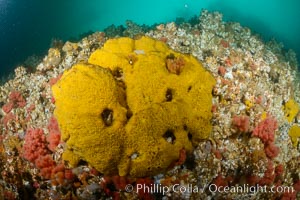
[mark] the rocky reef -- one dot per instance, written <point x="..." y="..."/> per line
<point x="189" y="111"/>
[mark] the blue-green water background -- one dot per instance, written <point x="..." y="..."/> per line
<point x="27" y="26"/>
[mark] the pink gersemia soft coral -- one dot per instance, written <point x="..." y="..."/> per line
<point x="241" y="123"/>
<point x="35" y="150"/>
<point x="46" y="164"/>
<point x="8" y="107"/>
<point x="15" y="100"/>
<point x="271" y="150"/>
<point x="54" y="134"/>
<point x="35" y="144"/>
<point x="265" y="130"/>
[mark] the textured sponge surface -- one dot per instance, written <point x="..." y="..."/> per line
<point x="133" y="107"/>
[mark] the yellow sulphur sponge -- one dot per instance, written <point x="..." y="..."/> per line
<point x="290" y="109"/>
<point x="134" y="107"/>
<point x="294" y="133"/>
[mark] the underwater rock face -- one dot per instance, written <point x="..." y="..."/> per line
<point x="134" y="108"/>
<point x="255" y="134"/>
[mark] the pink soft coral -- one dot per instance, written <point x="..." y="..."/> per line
<point x="8" y="118"/>
<point x="52" y="81"/>
<point x="35" y="144"/>
<point x="54" y="134"/>
<point x="241" y="123"/>
<point x="8" y="107"/>
<point x="17" y="98"/>
<point x="269" y="175"/>
<point x="265" y="130"/>
<point x="46" y="164"/>
<point x="271" y="150"/>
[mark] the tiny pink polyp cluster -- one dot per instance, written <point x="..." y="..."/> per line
<point x="265" y="130"/>
<point x="35" y="145"/>
<point x="15" y="100"/>
<point x="54" y="134"/>
<point x="52" y="81"/>
<point x="242" y="123"/>
<point x="37" y="149"/>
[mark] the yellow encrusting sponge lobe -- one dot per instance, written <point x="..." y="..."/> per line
<point x="83" y="96"/>
<point x="291" y="109"/>
<point x="294" y="133"/>
<point x="134" y="107"/>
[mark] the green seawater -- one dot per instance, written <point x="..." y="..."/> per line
<point x="27" y="27"/>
